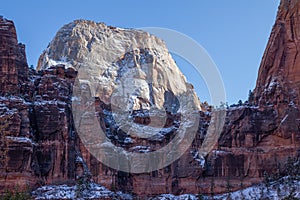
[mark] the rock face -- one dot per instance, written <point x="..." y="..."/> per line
<point x="266" y="132"/>
<point x="36" y="121"/>
<point x="55" y="153"/>
<point x="279" y="73"/>
<point x="16" y="144"/>
<point x="14" y="70"/>
<point x="39" y="143"/>
<point x="39" y="139"/>
<point x="114" y="57"/>
<point x="118" y="61"/>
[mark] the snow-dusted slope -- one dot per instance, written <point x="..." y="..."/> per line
<point x="285" y="187"/>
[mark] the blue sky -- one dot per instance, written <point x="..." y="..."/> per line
<point x="234" y="32"/>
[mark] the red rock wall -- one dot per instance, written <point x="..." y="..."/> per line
<point x="55" y="153"/>
<point x="16" y="146"/>
<point x="8" y="56"/>
<point x="278" y="79"/>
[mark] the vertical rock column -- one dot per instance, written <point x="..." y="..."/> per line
<point x="13" y="64"/>
<point x="8" y="49"/>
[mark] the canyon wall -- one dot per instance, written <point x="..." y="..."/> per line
<point x="40" y="143"/>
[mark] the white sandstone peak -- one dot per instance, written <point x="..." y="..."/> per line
<point x="129" y="67"/>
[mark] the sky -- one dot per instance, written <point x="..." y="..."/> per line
<point x="233" y="32"/>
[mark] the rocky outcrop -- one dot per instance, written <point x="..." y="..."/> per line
<point x="37" y="137"/>
<point x="55" y="154"/>
<point x="267" y="134"/>
<point x="259" y="137"/>
<point x="15" y="138"/>
<point x="279" y="73"/>
<point x="13" y="64"/>
<point x="16" y="142"/>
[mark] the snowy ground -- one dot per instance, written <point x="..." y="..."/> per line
<point x="93" y="191"/>
<point x="274" y="191"/>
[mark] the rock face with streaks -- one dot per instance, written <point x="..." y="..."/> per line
<point x="15" y="138"/>
<point x="36" y="133"/>
<point x="279" y="73"/>
<point x="265" y="132"/>
<point x="55" y="153"/>
<point x="13" y="70"/>
<point x="16" y="144"/>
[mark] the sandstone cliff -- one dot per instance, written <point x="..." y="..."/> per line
<point x="278" y="76"/>
<point x="110" y="57"/>
<point x="36" y="133"/>
<point x="14" y="70"/>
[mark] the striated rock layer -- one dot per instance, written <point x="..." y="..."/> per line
<point x="13" y="63"/>
<point x="15" y="138"/>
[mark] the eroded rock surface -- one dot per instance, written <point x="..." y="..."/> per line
<point x="14" y="70"/>
<point x="278" y="76"/>
<point x="119" y="61"/>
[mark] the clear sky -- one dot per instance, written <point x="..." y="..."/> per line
<point x="234" y="32"/>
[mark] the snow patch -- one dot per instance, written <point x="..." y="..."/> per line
<point x="60" y="62"/>
<point x="275" y="191"/>
<point x="199" y="158"/>
<point x="141" y="149"/>
<point x="283" y="120"/>
<point x="93" y="191"/>
<point x="20" y="139"/>
<point x="173" y="197"/>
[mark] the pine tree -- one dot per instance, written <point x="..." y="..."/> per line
<point x="250" y="97"/>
